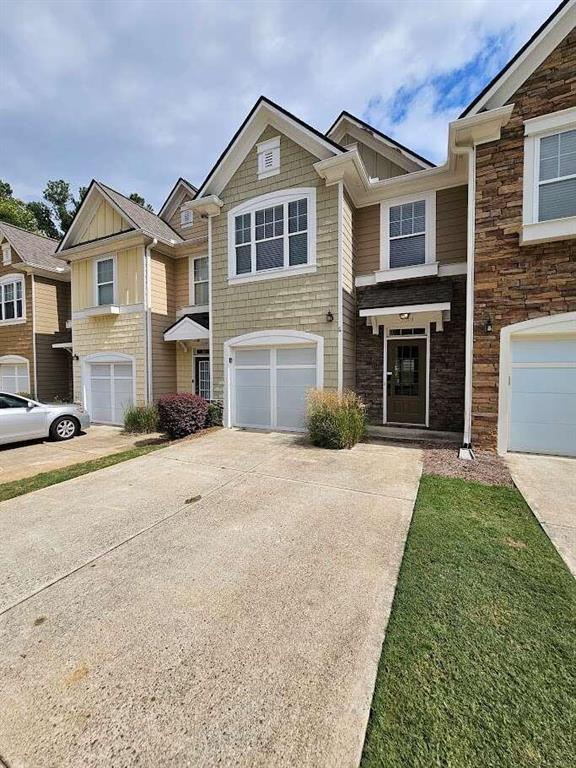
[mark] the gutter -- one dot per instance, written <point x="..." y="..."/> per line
<point x="148" y="317"/>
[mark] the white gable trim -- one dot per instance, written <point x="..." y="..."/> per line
<point x="175" y="198"/>
<point x="529" y="60"/>
<point x="264" y="115"/>
<point x="187" y="330"/>
<point x="87" y="209"/>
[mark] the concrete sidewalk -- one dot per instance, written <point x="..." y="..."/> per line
<point x="548" y="483"/>
<point x="218" y="602"/>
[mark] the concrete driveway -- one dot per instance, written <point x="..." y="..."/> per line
<point x="218" y="602"/>
<point x="19" y="460"/>
<point x="548" y="483"/>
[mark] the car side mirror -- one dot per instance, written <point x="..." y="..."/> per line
<point x="30" y="404"/>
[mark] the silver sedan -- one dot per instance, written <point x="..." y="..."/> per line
<point x="25" y="419"/>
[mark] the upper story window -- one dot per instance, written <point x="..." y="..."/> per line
<point x="6" y="254"/>
<point x="11" y="299"/>
<point x="408" y="232"/>
<point x="200" y="281"/>
<point x="273" y="234"/>
<point x="549" y="210"/>
<point x="186" y="217"/>
<point x="268" y="158"/>
<point x="105" y="281"/>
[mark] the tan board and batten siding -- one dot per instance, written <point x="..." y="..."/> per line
<point x="297" y="302"/>
<point x="52" y="310"/>
<point x="17" y="339"/>
<point x="104" y="222"/>
<point x="348" y="300"/>
<point x="129" y="276"/>
<point x="451" y="220"/>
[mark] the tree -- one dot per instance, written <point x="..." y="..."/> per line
<point x="16" y="212"/>
<point x="43" y="216"/>
<point x="58" y="196"/>
<point x="136" y="198"/>
<point x="5" y="189"/>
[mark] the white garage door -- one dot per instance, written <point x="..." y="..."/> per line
<point x="543" y="396"/>
<point x="111" y="391"/>
<point x="270" y="385"/>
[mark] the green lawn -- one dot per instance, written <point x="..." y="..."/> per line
<point x="478" y="668"/>
<point x="44" y="479"/>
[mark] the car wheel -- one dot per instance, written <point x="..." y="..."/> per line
<point x="64" y="428"/>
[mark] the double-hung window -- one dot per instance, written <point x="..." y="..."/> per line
<point x="549" y="204"/>
<point x="273" y="234"/>
<point x="105" y="281"/>
<point x="407" y="232"/>
<point x="200" y="281"/>
<point x="11" y="299"/>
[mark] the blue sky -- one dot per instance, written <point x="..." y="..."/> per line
<point x="139" y="92"/>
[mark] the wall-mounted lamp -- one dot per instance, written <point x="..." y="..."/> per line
<point x="75" y="357"/>
<point x="329" y="317"/>
<point x="488" y="325"/>
<point x="404" y="315"/>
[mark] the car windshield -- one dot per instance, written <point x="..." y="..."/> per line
<point x="12" y="401"/>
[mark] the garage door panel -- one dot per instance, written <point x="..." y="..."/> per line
<point x="292" y="387"/>
<point x="532" y="408"/>
<point x="300" y="356"/>
<point x="101" y="399"/>
<point x="111" y="391"/>
<point x="538" y="351"/>
<point x="253" y="397"/>
<point x="544" y="380"/>
<point x="553" y="439"/>
<point x="253" y="357"/>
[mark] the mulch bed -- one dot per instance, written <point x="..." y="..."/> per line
<point x="442" y="459"/>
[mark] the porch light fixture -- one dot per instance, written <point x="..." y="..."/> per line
<point x="488" y="325"/>
<point x="404" y="315"/>
<point x="329" y="317"/>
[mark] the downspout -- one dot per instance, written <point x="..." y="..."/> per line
<point x="470" y="152"/>
<point x="148" y="313"/>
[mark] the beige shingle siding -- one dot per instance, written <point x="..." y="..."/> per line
<point x="122" y="333"/>
<point x="182" y="279"/>
<point x="184" y="361"/>
<point x="377" y="166"/>
<point x="52" y="309"/>
<point x="348" y="300"/>
<point x="367" y="239"/>
<point x="163" y="315"/>
<point x="451" y="224"/>
<point x="198" y="232"/>
<point x="295" y="302"/>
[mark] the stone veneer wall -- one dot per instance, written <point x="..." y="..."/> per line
<point x="514" y="283"/>
<point x="446" y="363"/>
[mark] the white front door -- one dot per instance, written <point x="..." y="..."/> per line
<point x="111" y="391"/>
<point x="543" y="396"/>
<point x="269" y="386"/>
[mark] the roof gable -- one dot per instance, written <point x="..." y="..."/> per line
<point x="502" y="87"/>
<point x="34" y="250"/>
<point x="392" y="150"/>
<point x="180" y="191"/>
<point x="264" y="113"/>
<point x="101" y="221"/>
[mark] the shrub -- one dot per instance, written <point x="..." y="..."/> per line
<point x="335" y="420"/>
<point x="141" y="418"/>
<point x="182" y="414"/>
<point x="214" y="418"/>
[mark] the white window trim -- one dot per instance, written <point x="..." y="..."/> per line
<point x="534" y="231"/>
<point x="281" y="197"/>
<point x="192" y="283"/>
<point x="106" y="257"/>
<point x="272" y="145"/>
<point x="17" y="360"/>
<point x="429" y="235"/>
<point x="272" y="338"/>
<point x="12" y="278"/>
<point x="6" y="254"/>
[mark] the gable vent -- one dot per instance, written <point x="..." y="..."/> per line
<point x="268" y="158"/>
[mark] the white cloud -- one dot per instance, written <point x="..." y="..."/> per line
<point x="139" y="93"/>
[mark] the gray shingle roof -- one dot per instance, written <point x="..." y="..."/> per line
<point x="421" y="291"/>
<point x="34" y="250"/>
<point x="145" y="220"/>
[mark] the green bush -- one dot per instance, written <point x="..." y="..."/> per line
<point x="214" y="418"/>
<point x="335" y="420"/>
<point x="141" y="418"/>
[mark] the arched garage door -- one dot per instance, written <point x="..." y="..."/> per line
<point x="270" y="375"/>
<point x="109" y="386"/>
<point x="542" y="389"/>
